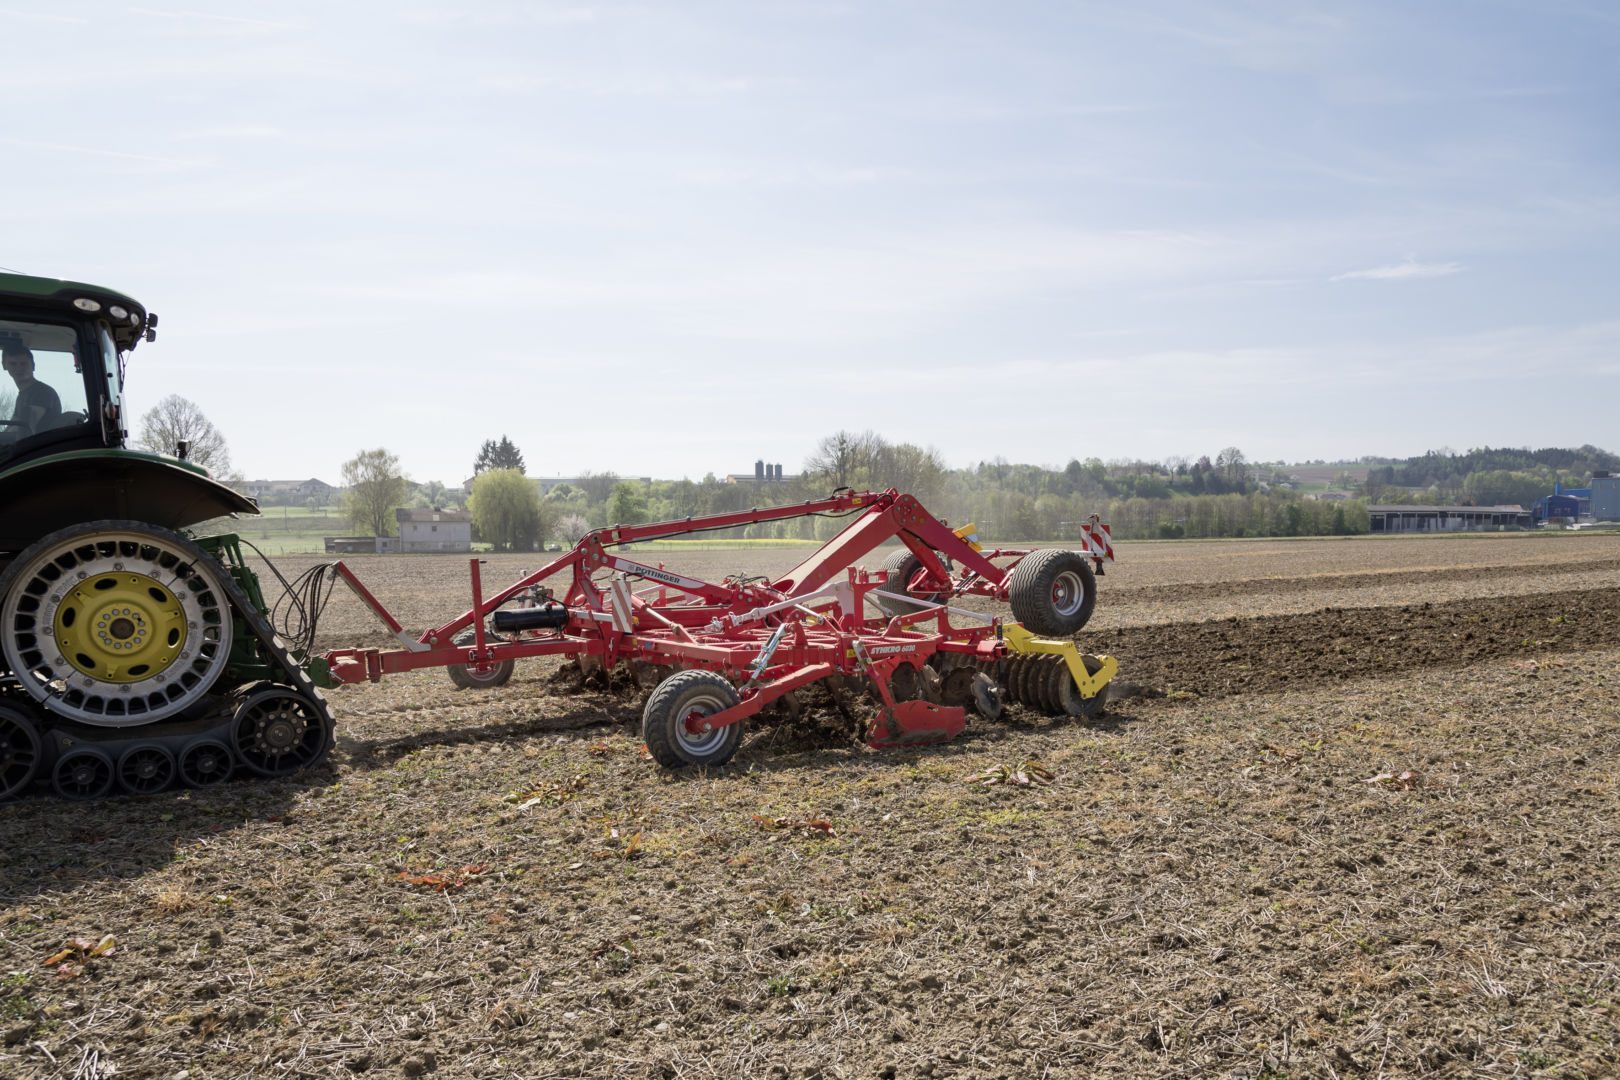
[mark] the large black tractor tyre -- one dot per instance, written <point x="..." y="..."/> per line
<point x="1053" y="592"/>
<point x="117" y="636"/>
<point x="479" y="676"/>
<point x="902" y="565"/>
<point x="116" y="624"/>
<point x="687" y="694"/>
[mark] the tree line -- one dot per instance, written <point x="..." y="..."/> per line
<point x="1179" y="497"/>
<point x="1226" y="495"/>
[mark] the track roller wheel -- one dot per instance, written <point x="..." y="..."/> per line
<point x="19" y="751"/>
<point x="902" y="566"/>
<point x="478" y="676"/>
<point x="145" y="769"/>
<point x="672" y="722"/>
<point x="1052" y="592"/>
<point x="205" y="763"/>
<point x="278" y="733"/>
<point x="83" y="773"/>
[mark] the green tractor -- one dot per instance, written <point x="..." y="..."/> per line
<point x="133" y="655"/>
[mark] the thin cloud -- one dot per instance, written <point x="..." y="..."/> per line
<point x="206" y="16"/>
<point x="1403" y="271"/>
<point x="34" y="16"/>
<point x="239" y="131"/>
<point x="96" y="151"/>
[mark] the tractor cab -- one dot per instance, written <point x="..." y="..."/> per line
<point x="62" y="425"/>
<point x="63" y="346"/>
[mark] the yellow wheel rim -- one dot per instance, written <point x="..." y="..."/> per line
<point x="120" y="627"/>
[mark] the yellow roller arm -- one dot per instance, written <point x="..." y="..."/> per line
<point x="1089" y="683"/>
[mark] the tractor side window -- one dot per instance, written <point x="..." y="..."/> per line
<point x="42" y="393"/>
<point x="112" y="363"/>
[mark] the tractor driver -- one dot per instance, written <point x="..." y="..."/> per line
<point x="37" y="404"/>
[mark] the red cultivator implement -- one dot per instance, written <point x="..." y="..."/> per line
<point x="734" y="647"/>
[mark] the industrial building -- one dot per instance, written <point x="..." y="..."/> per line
<point x="1598" y="501"/>
<point x="1387" y="519"/>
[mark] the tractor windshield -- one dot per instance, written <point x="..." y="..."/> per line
<point x="42" y="397"/>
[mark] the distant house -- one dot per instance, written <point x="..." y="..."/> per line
<point x="1330" y="496"/>
<point x="434" y="530"/>
<point x="287" y="492"/>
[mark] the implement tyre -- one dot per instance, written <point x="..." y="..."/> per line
<point x="1052" y="592"/>
<point x="479" y="676"/>
<point x="690" y="695"/>
<point x="902" y="565"/>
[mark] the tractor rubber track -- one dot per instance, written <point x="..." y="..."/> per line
<point x="296" y="676"/>
<point x="59" y="732"/>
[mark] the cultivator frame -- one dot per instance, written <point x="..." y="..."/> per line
<point x="735" y="647"/>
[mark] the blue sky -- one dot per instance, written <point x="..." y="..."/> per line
<point x="670" y="239"/>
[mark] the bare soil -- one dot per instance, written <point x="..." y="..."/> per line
<point x="1354" y="814"/>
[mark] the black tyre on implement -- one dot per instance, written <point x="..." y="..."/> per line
<point x="1053" y="592"/>
<point x="902" y="566"/>
<point x="479" y="676"/>
<point x="690" y="695"/>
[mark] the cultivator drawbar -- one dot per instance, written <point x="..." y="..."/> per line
<point x="725" y="651"/>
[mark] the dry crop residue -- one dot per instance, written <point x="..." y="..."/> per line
<point x="1371" y="839"/>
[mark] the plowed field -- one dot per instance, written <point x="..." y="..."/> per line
<point x="1354" y="812"/>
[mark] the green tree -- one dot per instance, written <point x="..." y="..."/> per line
<point x="506" y="510"/>
<point x="627" y="505"/>
<point x="432" y="495"/>
<point x="498" y="455"/>
<point x="374" y="487"/>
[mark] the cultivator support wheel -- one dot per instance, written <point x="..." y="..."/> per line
<point x="902" y="567"/>
<point x="485" y="676"/>
<point x="673" y="721"/>
<point x="1053" y="592"/>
